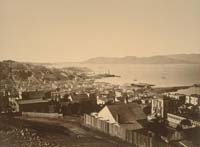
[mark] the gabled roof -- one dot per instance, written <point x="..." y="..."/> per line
<point x="79" y="97"/>
<point x="127" y="113"/>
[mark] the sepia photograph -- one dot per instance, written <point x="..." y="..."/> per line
<point x="99" y="73"/>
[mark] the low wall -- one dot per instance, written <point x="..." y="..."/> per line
<point x="42" y="115"/>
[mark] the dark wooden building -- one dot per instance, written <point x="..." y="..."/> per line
<point x="37" y="105"/>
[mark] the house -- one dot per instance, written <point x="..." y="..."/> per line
<point x="36" y="105"/>
<point x="129" y="116"/>
<point x="103" y="99"/>
<point x="78" y="98"/>
<point x="177" y="96"/>
<point x="78" y="103"/>
<point x="193" y="99"/>
<point x="161" y="106"/>
<point x="28" y="95"/>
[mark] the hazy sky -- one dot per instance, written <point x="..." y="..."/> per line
<point x="74" y="30"/>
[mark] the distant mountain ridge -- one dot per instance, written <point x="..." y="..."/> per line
<point x="160" y="59"/>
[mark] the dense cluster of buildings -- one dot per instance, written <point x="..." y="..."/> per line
<point x="116" y="109"/>
<point x="173" y="119"/>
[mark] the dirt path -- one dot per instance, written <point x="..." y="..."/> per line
<point x="70" y="125"/>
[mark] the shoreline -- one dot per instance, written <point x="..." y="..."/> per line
<point x="170" y="89"/>
<point x="155" y="88"/>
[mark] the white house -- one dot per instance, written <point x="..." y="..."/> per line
<point x="125" y="115"/>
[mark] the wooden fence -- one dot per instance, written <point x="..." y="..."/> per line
<point x="134" y="137"/>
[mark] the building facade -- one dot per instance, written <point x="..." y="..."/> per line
<point x="162" y="106"/>
<point x="193" y="99"/>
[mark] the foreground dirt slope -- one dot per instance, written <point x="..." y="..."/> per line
<point x="31" y="133"/>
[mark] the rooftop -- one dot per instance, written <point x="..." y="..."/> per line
<point x="33" y="94"/>
<point x="127" y="113"/>
<point x="195" y="95"/>
<point x="32" y="101"/>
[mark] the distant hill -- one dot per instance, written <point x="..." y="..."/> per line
<point x="17" y="74"/>
<point x="195" y="58"/>
<point x="162" y="59"/>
